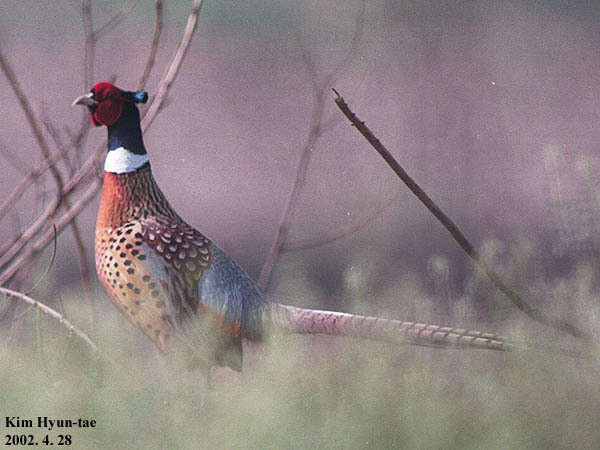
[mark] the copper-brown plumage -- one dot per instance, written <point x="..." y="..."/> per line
<point x="126" y="201"/>
<point x="136" y="225"/>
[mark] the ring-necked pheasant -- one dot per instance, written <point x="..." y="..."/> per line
<point x="181" y="289"/>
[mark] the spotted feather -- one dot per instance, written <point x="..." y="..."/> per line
<point x="168" y="278"/>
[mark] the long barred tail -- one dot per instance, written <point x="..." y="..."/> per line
<point x="312" y="321"/>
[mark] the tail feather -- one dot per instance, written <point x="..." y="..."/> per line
<point x="311" y="321"/>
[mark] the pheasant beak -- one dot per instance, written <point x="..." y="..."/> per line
<point x="86" y="100"/>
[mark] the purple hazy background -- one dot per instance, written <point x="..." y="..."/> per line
<point x="492" y="107"/>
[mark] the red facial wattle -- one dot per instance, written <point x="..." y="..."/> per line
<point x="107" y="112"/>
<point x="110" y="104"/>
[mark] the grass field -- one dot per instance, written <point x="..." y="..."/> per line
<point x="311" y="392"/>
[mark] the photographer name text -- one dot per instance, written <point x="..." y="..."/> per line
<point x="49" y="423"/>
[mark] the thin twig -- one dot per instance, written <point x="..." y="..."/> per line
<point x="158" y="24"/>
<point x="31" y="178"/>
<point x="285" y="221"/>
<point x="356" y="38"/>
<point x="61" y="223"/>
<point x="61" y="319"/>
<point x="33" y="123"/>
<point x="115" y="20"/>
<point x="28" y="234"/>
<point x="22" y="238"/>
<point x="58" y="143"/>
<point x="84" y="271"/>
<point x="44" y="149"/>
<point x="83" y="264"/>
<point x="89" y="56"/>
<point x="90" y="43"/>
<point x="315" y="131"/>
<point x="40" y="342"/>
<point x="17" y="281"/>
<point x="48" y="267"/>
<point x="22" y="314"/>
<point x="85" y="169"/>
<point x="174" y="67"/>
<point x="459" y="237"/>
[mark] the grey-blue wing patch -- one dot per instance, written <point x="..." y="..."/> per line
<point x="226" y="287"/>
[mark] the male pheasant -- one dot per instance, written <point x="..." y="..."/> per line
<point x="180" y="288"/>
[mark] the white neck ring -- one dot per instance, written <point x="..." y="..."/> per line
<point x="121" y="160"/>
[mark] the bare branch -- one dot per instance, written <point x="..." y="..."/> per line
<point x="174" y="67"/>
<point x="459" y="237"/>
<point x="61" y="319"/>
<point x="15" y="247"/>
<point x="40" y="341"/>
<point x="83" y="264"/>
<point x="89" y="56"/>
<point x="31" y="178"/>
<point x="309" y="64"/>
<point x="84" y="271"/>
<point x="158" y="24"/>
<point x="356" y="37"/>
<point x="58" y="142"/>
<point x="48" y="267"/>
<point x="28" y="234"/>
<point x="33" y="123"/>
<point x="61" y="223"/>
<point x="16" y="194"/>
<point x="285" y="221"/>
<point x="315" y="131"/>
<point x="90" y="43"/>
<point x="85" y="169"/>
<point x="114" y="21"/>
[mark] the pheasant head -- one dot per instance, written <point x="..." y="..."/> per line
<point x="105" y="102"/>
<point x="116" y="109"/>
